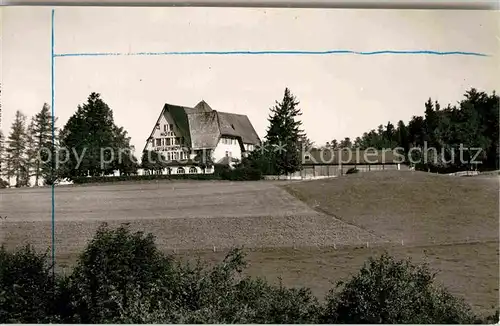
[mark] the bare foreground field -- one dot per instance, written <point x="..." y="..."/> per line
<point x="448" y="221"/>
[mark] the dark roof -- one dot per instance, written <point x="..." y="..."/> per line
<point x="203" y="106"/>
<point x="202" y="126"/>
<point x="238" y="125"/>
<point x="350" y="157"/>
<point x="181" y="121"/>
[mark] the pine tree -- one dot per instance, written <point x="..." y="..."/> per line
<point x="284" y="134"/>
<point x="41" y="150"/>
<point x="16" y="151"/>
<point x="346" y="143"/>
<point x="402" y="137"/>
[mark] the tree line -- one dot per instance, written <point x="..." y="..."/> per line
<point x="472" y="123"/>
<point x="40" y="150"/>
<point x="76" y="150"/>
<point x="91" y="144"/>
<point x="25" y="151"/>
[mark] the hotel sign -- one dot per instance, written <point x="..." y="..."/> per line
<point x="167" y="148"/>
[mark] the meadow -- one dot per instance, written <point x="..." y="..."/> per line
<point x="310" y="233"/>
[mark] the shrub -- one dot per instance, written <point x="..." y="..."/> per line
<point x="3" y="184"/>
<point x="116" y="267"/>
<point x="352" y="170"/>
<point x="105" y="179"/>
<point x="221" y="172"/>
<point x="241" y="174"/>
<point x="26" y="287"/>
<point x="121" y="277"/>
<point x="388" y="291"/>
<point x="221" y="295"/>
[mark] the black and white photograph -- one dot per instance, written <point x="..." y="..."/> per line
<point x="209" y="165"/>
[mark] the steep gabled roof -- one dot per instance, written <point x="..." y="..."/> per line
<point x="180" y="116"/>
<point x="203" y="106"/>
<point x="238" y="125"/>
<point x="201" y="126"/>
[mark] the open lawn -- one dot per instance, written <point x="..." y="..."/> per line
<point x="312" y="242"/>
<point x="183" y="215"/>
<point x="415" y="207"/>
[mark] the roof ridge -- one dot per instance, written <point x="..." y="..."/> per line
<point x="218" y="122"/>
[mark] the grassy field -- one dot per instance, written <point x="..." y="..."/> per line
<point x="312" y="241"/>
<point x="415" y="207"/>
<point x="183" y="215"/>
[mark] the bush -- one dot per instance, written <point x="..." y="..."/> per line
<point x="115" y="269"/>
<point x="3" y="184"/>
<point x="105" y="179"/>
<point x="395" y="292"/>
<point x="26" y="287"/>
<point x="241" y="174"/>
<point x="121" y="277"/>
<point x="221" y="172"/>
<point x="352" y="170"/>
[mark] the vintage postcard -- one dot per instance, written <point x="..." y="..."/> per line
<point x="286" y="149"/>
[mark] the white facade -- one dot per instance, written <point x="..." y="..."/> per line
<point x="227" y="147"/>
<point x="166" y="141"/>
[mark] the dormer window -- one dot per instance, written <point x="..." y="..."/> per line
<point x="307" y="157"/>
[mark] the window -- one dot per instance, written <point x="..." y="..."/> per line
<point x="169" y="156"/>
<point x="168" y="140"/>
<point x="193" y="170"/>
<point x="180" y="171"/>
<point x="307" y="157"/>
<point x="158" y="141"/>
<point x="171" y="126"/>
<point x="158" y="126"/>
<point x="164" y="127"/>
<point x="227" y="153"/>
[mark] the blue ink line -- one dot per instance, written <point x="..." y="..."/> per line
<point x="284" y="52"/>
<point x="53" y="144"/>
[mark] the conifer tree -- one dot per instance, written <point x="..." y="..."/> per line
<point x="41" y="151"/>
<point x="16" y="151"/>
<point x="284" y="134"/>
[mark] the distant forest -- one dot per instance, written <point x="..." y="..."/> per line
<point x="472" y="123"/>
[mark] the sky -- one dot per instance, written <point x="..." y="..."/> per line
<point x="341" y="95"/>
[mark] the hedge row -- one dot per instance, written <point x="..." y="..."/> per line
<point x="122" y="277"/>
<point x="220" y="173"/>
